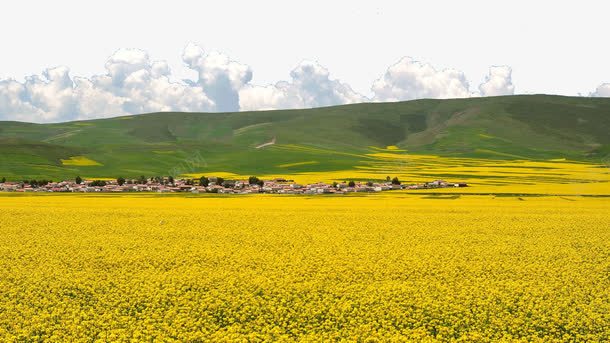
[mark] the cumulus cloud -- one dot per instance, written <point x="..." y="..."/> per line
<point x="44" y="97"/>
<point x="220" y="77"/>
<point x="310" y="86"/>
<point x="498" y="82"/>
<point x="14" y="104"/>
<point x="133" y="83"/>
<point x="140" y="85"/>
<point x="410" y="79"/>
<point x="602" y="90"/>
<point x="95" y="101"/>
<point x="271" y="97"/>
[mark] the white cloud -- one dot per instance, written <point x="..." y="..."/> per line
<point x="272" y="97"/>
<point x="160" y="68"/>
<point x="410" y="79"/>
<point x="14" y="104"/>
<point x="313" y="85"/>
<point x="602" y="90"/>
<point x="125" y="62"/>
<point x="141" y="86"/>
<point x="219" y="77"/>
<point x="310" y="86"/>
<point x="133" y="83"/>
<point x="498" y="82"/>
<point x="97" y="102"/>
<point x="52" y="93"/>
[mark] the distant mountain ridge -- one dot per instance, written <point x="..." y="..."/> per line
<point x="508" y="127"/>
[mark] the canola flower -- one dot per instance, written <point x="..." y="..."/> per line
<point x="555" y="176"/>
<point x="79" y="161"/>
<point x="383" y="267"/>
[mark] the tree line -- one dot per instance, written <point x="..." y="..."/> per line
<point x="203" y="181"/>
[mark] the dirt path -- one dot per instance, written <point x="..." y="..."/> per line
<point x="266" y="144"/>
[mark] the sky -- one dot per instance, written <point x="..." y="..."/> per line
<point x="69" y="60"/>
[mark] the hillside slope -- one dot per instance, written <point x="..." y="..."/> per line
<point x="332" y="138"/>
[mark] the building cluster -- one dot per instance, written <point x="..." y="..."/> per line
<point x="275" y="186"/>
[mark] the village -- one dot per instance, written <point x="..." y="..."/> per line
<point x="215" y="185"/>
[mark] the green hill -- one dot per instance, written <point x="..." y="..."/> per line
<point x="332" y="138"/>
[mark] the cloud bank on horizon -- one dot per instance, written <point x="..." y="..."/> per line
<point x="134" y="84"/>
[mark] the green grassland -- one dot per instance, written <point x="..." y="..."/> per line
<point x="533" y="127"/>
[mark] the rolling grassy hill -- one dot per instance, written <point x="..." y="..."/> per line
<point x="534" y="127"/>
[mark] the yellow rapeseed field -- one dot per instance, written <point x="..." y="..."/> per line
<point x="80" y="161"/>
<point x="555" y="176"/>
<point x="386" y="267"/>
